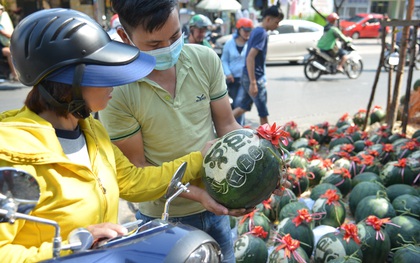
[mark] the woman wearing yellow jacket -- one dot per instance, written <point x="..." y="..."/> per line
<point x="73" y="65"/>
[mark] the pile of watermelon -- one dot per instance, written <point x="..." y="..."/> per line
<point x="355" y="197"/>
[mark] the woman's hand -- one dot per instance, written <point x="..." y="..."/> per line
<point x="106" y="230"/>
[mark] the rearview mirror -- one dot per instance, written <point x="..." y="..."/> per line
<point x="22" y="193"/>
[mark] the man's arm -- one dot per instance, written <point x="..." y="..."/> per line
<point x="250" y="65"/>
<point x="222" y="116"/>
<point x="133" y="149"/>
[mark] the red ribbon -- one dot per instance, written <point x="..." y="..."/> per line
<point x="290" y="245"/>
<point x="388" y="147"/>
<point x="377" y="224"/>
<point x="401" y="163"/>
<point x="350" y="232"/>
<point x="258" y="231"/>
<point x="344" y="117"/>
<point x="347" y="147"/>
<point x="331" y="196"/>
<point x="273" y="134"/>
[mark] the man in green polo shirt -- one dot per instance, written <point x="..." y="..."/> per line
<point x="182" y="104"/>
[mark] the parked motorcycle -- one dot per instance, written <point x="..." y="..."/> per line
<point x="155" y="241"/>
<point x="318" y="63"/>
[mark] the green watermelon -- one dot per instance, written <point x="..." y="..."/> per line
<point x="250" y="221"/>
<point x="360" y="117"/>
<point x="395" y="190"/>
<point x="414" y="155"/>
<point x="292" y="128"/>
<point x="270" y="207"/>
<point x="359" y="145"/>
<point x="287" y="246"/>
<point x="377" y="115"/>
<point x="330" y="209"/>
<point x="291" y="210"/>
<point x="403" y="230"/>
<point x="250" y="249"/>
<point x="416" y="134"/>
<point x="318" y="168"/>
<point x="376" y="243"/>
<point x="374" y="205"/>
<point x="368" y="163"/>
<point x="314" y="132"/>
<point x="241" y="169"/>
<point x="300" y="230"/>
<point x="340" y="178"/>
<point x="408" y="205"/>
<point x="345" y="120"/>
<point x="287" y="197"/>
<point x="346" y="259"/>
<point x="299" y="180"/>
<point x="298" y="160"/>
<point x="398" y="172"/>
<point x="365" y="177"/>
<point x="338" y="245"/>
<point x="395" y="136"/>
<point x="407" y="254"/>
<point x="404" y="147"/>
<point x="320" y="189"/>
<point x="300" y="143"/>
<point x="340" y="139"/>
<point x="360" y="191"/>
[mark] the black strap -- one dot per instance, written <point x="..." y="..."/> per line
<point x="77" y="106"/>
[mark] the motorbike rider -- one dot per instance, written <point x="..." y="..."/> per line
<point x="199" y="27"/>
<point x="327" y="43"/>
<point x="73" y="65"/>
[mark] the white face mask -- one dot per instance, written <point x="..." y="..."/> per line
<point x="166" y="57"/>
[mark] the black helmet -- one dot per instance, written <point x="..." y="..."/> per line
<point x="51" y="39"/>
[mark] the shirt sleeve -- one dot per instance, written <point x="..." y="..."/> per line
<point x="258" y="39"/>
<point x="216" y="76"/>
<point x="151" y="182"/>
<point x="117" y="117"/>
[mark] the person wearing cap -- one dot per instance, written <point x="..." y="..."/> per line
<point x="72" y="65"/>
<point x="327" y="43"/>
<point x="253" y="75"/>
<point x="6" y="30"/>
<point x="199" y="26"/>
<point x="182" y="103"/>
<point x="233" y="61"/>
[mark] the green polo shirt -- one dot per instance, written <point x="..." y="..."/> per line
<point x="171" y="127"/>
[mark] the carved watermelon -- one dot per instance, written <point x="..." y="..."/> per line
<point x="241" y="169"/>
<point x="250" y="249"/>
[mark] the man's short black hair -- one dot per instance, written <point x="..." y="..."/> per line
<point x="273" y="11"/>
<point x="150" y="14"/>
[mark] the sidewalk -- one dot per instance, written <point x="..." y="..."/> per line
<point x="8" y="85"/>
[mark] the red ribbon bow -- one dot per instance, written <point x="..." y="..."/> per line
<point x="273" y="134"/>
<point x="350" y="231"/>
<point x="258" y="231"/>
<point x="290" y="245"/>
<point x="331" y="196"/>
<point x="401" y="163"/>
<point x="303" y="215"/>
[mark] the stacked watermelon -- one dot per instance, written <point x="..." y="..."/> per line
<point x="354" y="196"/>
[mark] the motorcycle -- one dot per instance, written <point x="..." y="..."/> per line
<point x="318" y="63"/>
<point x="155" y="241"/>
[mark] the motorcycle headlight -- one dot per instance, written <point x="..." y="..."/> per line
<point x="206" y="253"/>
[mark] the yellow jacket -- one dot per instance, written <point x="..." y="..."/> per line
<point x="72" y="194"/>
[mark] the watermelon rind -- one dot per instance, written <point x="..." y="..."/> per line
<point x="365" y="177"/>
<point x="320" y="189"/>
<point x="360" y="191"/>
<point x="280" y="257"/>
<point x="403" y="230"/>
<point x="291" y="210"/>
<point x="250" y="249"/>
<point x="407" y="204"/>
<point x="332" y="214"/>
<point x="375" y="247"/>
<point x="332" y="246"/>
<point x="395" y="190"/>
<point x="407" y="254"/>
<point x="241" y="169"/>
<point x="302" y="232"/>
<point x="374" y="205"/>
